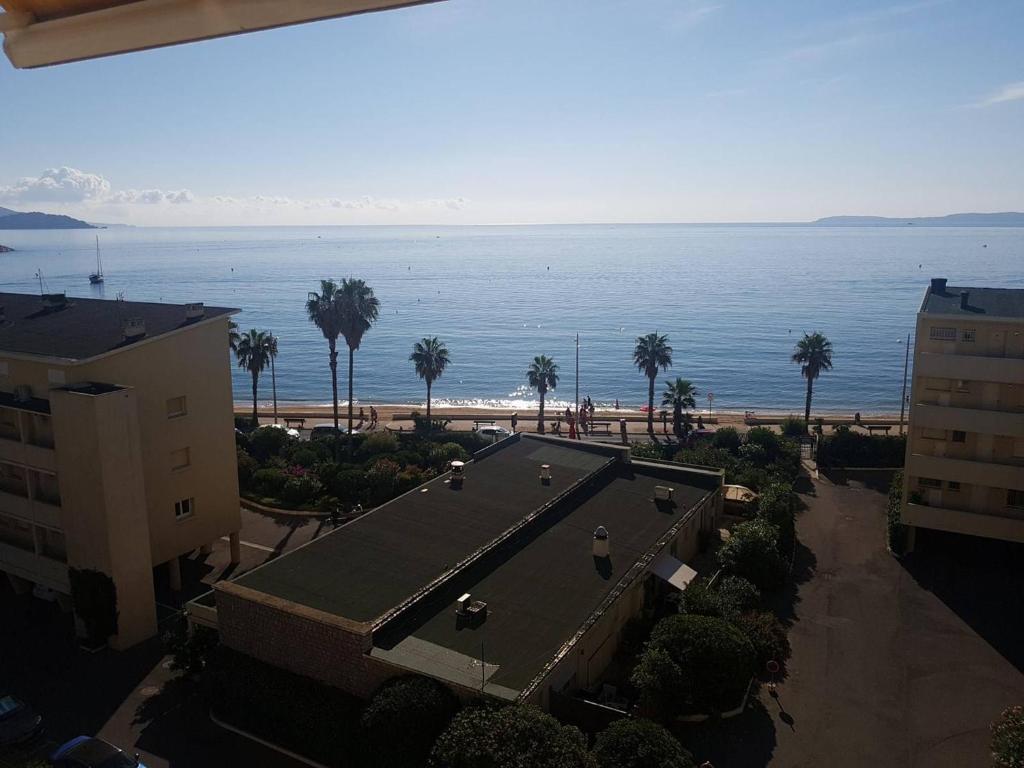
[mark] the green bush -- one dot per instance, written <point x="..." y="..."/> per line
<point x="304" y="457"/>
<point x="752" y="552"/>
<point x="382" y="481"/>
<point x="727" y="439"/>
<point x="379" y="442"/>
<point x="645" y="450"/>
<point x="95" y="598"/>
<point x="775" y="503"/>
<point x="301" y="490"/>
<point x="1008" y="739"/>
<point x="247" y="467"/>
<point x="514" y="736"/>
<point x="266" y="442"/>
<point x="736" y="595"/>
<point x="639" y="743"/>
<point x="767" y="635"/>
<point x="441" y="454"/>
<point x="793" y="427"/>
<point x="190" y="650"/>
<point x="895" y="531"/>
<point x="404" y="719"/>
<point x="348" y="485"/>
<point x="846" y="448"/>
<point x="269" y="481"/>
<point x="693" y="664"/>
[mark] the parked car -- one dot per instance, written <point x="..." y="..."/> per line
<point x="287" y="430"/>
<point x="489" y="430"/>
<point x="320" y="431"/>
<point x="90" y="752"/>
<point x="18" y="721"/>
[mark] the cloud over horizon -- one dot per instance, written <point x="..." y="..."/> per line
<point x="1008" y="92"/>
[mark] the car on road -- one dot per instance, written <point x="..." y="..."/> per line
<point x="90" y="752"/>
<point x="489" y="430"/>
<point x="320" y="431"/>
<point x="18" y="721"/>
<point x="287" y="430"/>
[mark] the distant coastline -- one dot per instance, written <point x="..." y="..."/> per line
<point x="1007" y="219"/>
<point x="36" y="220"/>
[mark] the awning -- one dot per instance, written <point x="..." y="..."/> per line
<point x="676" y="573"/>
<point x="42" y="32"/>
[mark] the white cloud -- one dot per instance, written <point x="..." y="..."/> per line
<point x="1009" y="92"/>
<point x="151" y="196"/>
<point x="57" y="185"/>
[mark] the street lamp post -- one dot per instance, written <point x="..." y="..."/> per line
<point x="903" y="398"/>
<point x="273" y="373"/>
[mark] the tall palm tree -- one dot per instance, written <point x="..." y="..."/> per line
<point x="814" y="355"/>
<point x="430" y="357"/>
<point x="357" y="309"/>
<point x="651" y="355"/>
<point x="233" y="335"/>
<point x="679" y="394"/>
<point x="253" y="353"/>
<point x="323" y="311"/>
<point x="542" y="375"/>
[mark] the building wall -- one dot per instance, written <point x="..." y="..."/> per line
<point x="965" y="448"/>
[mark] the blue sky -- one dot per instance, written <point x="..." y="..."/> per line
<point x="508" y="111"/>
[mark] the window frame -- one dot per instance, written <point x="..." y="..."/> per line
<point x="929" y="482"/>
<point x="942" y="333"/>
<point x="188" y="459"/>
<point x="955" y="433"/>
<point x="179" y="506"/>
<point x="968" y="335"/>
<point x="1010" y="494"/>
<point x="177" y="414"/>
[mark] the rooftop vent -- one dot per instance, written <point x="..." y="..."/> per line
<point x="545" y="473"/>
<point x="601" y="542"/>
<point x="54" y="300"/>
<point x="195" y="310"/>
<point x="663" y="493"/>
<point x="964" y="299"/>
<point x="470" y="610"/>
<point x="938" y="285"/>
<point x="133" y="328"/>
<point x="22" y="393"/>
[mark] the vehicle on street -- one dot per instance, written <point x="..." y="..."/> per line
<point x="489" y="430"/>
<point x="287" y="430"/>
<point x="18" y="721"/>
<point x="90" y="752"/>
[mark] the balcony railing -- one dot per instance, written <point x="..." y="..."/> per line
<point x="985" y="420"/>
<point x="997" y="524"/>
<point x="936" y="365"/>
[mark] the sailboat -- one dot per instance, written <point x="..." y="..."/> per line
<point x="97" y="277"/>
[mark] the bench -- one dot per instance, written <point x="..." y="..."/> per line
<point x="478" y="422"/>
<point x="872" y="428"/>
<point x="297" y="423"/>
<point x="604" y="427"/>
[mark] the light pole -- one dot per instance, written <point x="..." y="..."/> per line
<point x="273" y="373"/>
<point x="577" y="380"/>
<point x="903" y="398"/>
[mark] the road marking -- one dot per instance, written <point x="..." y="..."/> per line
<point x="251" y="544"/>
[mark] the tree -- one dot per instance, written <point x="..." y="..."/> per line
<point x="253" y="353"/>
<point x="323" y="311"/>
<point x="430" y="357"/>
<point x="357" y="309"/>
<point x="404" y="719"/>
<point x="679" y="394"/>
<point x="509" y="737"/>
<point x="1008" y="738"/>
<point x="636" y="742"/>
<point x="542" y="375"/>
<point x="233" y="335"/>
<point x="752" y="552"/>
<point x="813" y="354"/>
<point x="651" y="355"/>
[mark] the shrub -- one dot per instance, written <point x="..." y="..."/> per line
<point x="269" y="481"/>
<point x="793" y="427"/>
<point x="895" y="531"/>
<point x="727" y="439"/>
<point x="404" y="719"/>
<point x="736" y="595"/>
<point x="268" y="441"/>
<point x="379" y="442"/>
<point x="699" y="599"/>
<point x="846" y="448"/>
<point x="301" y="490"/>
<point x="767" y="635"/>
<point x="694" y="663"/>
<point x="509" y="737"/>
<point x="1008" y="739"/>
<point x="644" y="450"/>
<point x="304" y="457"/>
<point x="775" y="503"/>
<point x="243" y="423"/>
<point x="382" y="480"/>
<point x="441" y="454"/>
<point x="752" y="552"/>
<point x="639" y="743"/>
<point x="190" y="650"/>
<point x="348" y="485"/>
<point x="95" y="598"/>
<point x="247" y="466"/>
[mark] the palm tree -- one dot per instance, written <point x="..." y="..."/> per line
<point x="430" y="357"/>
<point x="323" y="311"/>
<point x="357" y="310"/>
<point x="814" y="355"/>
<point x="233" y="335"/>
<point x="679" y="394"/>
<point x="542" y="375"/>
<point x="253" y="353"/>
<point x="652" y="354"/>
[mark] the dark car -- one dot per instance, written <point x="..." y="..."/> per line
<point x="18" y="721"/>
<point x="89" y="752"/>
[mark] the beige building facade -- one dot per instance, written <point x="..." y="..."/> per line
<point x="117" y="445"/>
<point x="965" y="448"/>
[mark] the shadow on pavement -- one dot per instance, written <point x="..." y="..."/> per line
<point x="747" y="740"/>
<point x="872" y="479"/>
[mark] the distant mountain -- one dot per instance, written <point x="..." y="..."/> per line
<point x="1008" y="219"/>
<point x="5" y="249"/>
<point x="13" y="220"/>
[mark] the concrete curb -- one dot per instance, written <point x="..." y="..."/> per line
<point x="254" y="506"/>
<point x="265" y="743"/>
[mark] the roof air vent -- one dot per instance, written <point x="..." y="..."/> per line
<point x="469" y="610"/>
<point x="965" y="300"/>
<point x="195" y="310"/>
<point x="938" y="285"/>
<point x="601" y="542"/>
<point x="545" y="474"/>
<point x="134" y="328"/>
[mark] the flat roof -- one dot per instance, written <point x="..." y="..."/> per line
<point x="370" y="566"/>
<point x="85" y="328"/>
<point x="985" y="302"/>
<point x="541" y="587"/>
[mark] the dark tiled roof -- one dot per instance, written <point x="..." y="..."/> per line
<point x="987" y="302"/>
<point x="83" y="328"/>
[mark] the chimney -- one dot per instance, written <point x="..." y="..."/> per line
<point x="964" y="296"/>
<point x="601" y="542"/>
<point x="938" y="285"/>
<point x="195" y="310"/>
<point x="133" y="328"/>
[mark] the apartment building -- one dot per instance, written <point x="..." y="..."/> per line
<point x="117" y="445"/>
<point x="965" y="449"/>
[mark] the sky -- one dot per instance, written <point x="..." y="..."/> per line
<point x="532" y="111"/>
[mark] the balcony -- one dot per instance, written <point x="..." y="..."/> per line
<point x="959" y="521"/>
<point x="27" y="454"/>
<point x="36" y="568"/>
<point x="15" y="504"/>
<point x="1003" y="370"/>
<point x="969" y="420"/>
<point x="965" y="471"/>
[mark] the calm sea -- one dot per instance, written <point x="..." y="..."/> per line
<point x="733" y="300"/>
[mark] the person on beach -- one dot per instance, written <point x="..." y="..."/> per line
<point x="515" y="420"/>
<point x="583" y="419"/>
<point x="373" y="417"/>
<point x="616" y="403"/>
<point x="362" y="415"/>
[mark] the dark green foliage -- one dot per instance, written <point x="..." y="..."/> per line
<point x="646" y="451"/>
<point x="382" y="480"/>
<point x="752" y="552"/>
<point x="846" y="448"/>
<point x="694" y="664"/>
<point x="299" y="491"/>
<point x="377" y="443"/>
<point x="190" y="651"/>
<point x="726" y="598"/>
<point x="267" y="441"/>
<point x="1008" y="739"/>
<point x="895" y="531"/>
<point x="515" y="736"/>
<point x="269" y="481"/>
<point x="304" y="457"/>
<point x="441" y="454"/>
<point x="639" y="743"/>
<point x="404" y="719"/>
<point x="767" y="635"/>
<point x="243" y="423"/>
<point x="775" y="503"/>
<point x="95" y="599"/>
<point x="793" y="427"/>
<point x="247" y="466"/>
<point x="727" y="438"/>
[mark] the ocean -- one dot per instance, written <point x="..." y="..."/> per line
<point x="733" y="300"/>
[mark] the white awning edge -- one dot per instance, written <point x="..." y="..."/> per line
<point x="673" y="571"/>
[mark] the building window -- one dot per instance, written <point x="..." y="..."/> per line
<point x="929" y="482"/>
<point x="180" y="459"/>
<point x="184" y="508"/>
<point x="1015" y="498"/>
<point x="938" y="333"/>
<point x="953" y="485"/>
<point x="176" y="407"/>
<point x="933" y="434"/>
<point x="968" y="335"/>
<point x="959" y="436"/>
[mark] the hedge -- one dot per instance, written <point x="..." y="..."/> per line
<point x="752" y="552"/>
<point x="404" y="719"/>
<point x="1008" y="739"/>
<point x="846" y="448"/>
<point x="639" y="743"/>
<point x="895" y="531"/>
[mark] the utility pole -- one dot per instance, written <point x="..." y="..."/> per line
<point x="903" y="398"/>
<point x="273" y="373"/>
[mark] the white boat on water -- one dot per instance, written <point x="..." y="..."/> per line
<point x="97" y="277"/>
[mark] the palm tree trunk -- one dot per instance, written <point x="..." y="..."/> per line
<point x="334" y="380"/>
<point x="807" y="404"/>
<point x="430" y="424"/>
<point x="255" y="378"/>
<point x="540" y="413"/>
<point x="351" y="362"/>
<point x="677" y="420"/>
<point x="650" y="406"/>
